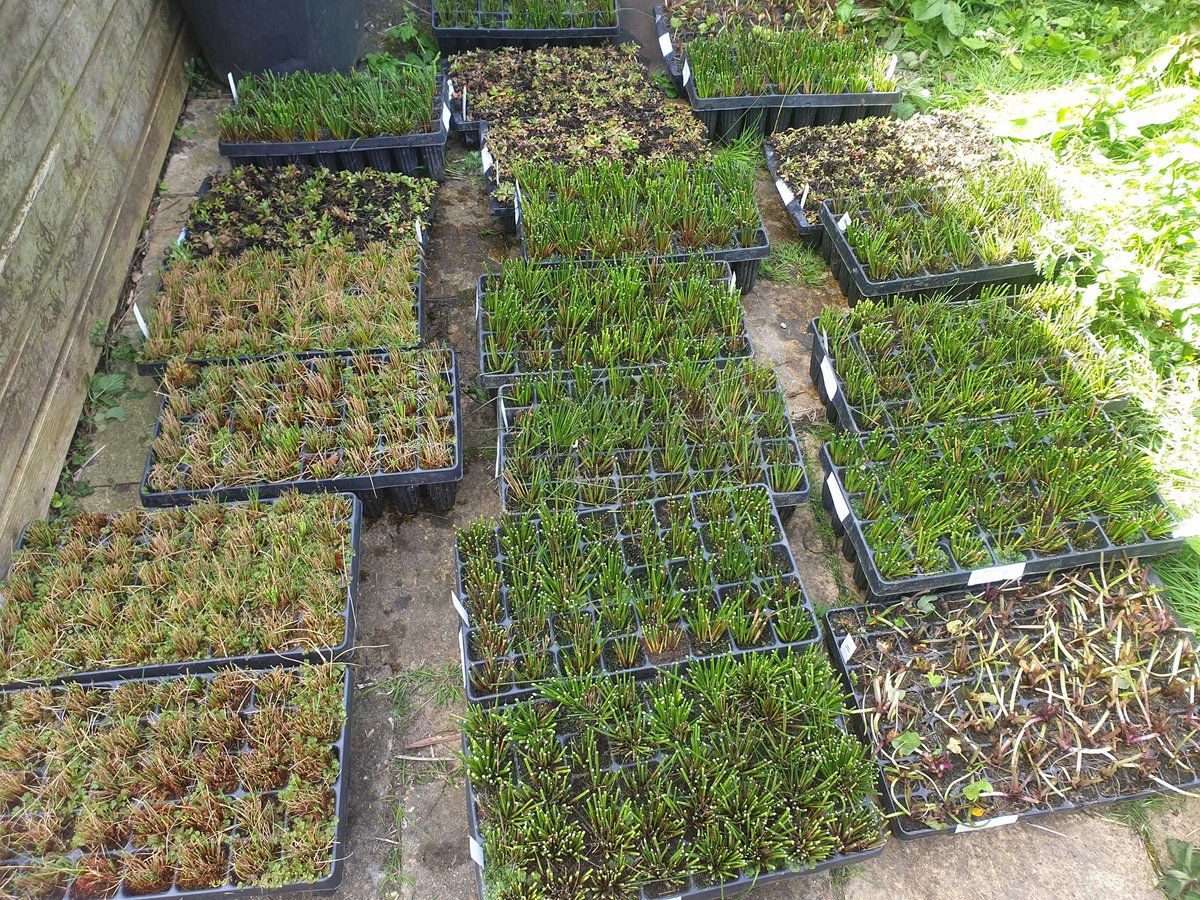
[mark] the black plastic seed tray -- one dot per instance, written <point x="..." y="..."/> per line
<point x="621" y="489"/>
<point x="404" y="489"/>
<point x="469" y="129"/>
<point x="810" y="232"/>
<point x="503" y="210"/>
<point x="343" y="652"/>
<point x="823" y="370"/>
<point x="493" y="32"/>
<point x="785" y="574"/>
<point x="852" y="529"/>
<point x="419" y="153"/>
<point x="493" y="380"/>
<point x="905" y="828"/>
<point x="962" y="283"/>
<point x="231" y="891"/>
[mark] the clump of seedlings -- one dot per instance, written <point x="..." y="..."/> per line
<point x="876" y="155"/>
<point x="543" y="318"/>
<point x="210" y="581"/>
<point x="193" y="783"/>
<point x="266" y="302"/>
<point x="726" y="774"/>
<point x="525" y="14"/>
<point x="907" y="362"/>
<point x="561" y="593"/>
<point x="583" y="441"/>
<point x="320" y="106"/>
<point x="998" y="491"/>
<point x="699" y="16"/>
<point x="292" y="209"/>
<point x="662" y="207"/>
<point x="1045" y="695"/>
<point x="276" y="421"/>
<point x="743" y="62"/>
<point x="988" y="218"/>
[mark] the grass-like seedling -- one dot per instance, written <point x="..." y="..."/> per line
<point x="97" y="592"/>
<point x="745" y="62"/>
<point x="663" y="207"/>
<point x="525" y="14"/>
<point x="585" y="441"/>
<point x="993" y="492"/>
<point x="907" y="362"/>
<point x="318" y="106"/>
<point x="293" y="209"/>
<point x="560" y="593"/>
<point x="542" y="318"/>
<point x="1072" y="690"/>
<point x="876" y="155"/>
<point x="266" y="301"/>
<point x="277" y="421"/>
<point x="730" y="772"/>
<point x="988" y="218"/>
<point x="194" y="783"/>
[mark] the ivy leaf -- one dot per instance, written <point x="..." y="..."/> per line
<point x="907" y="743"/>
<point x="973" y="790"/>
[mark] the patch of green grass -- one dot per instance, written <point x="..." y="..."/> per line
<point x="792" y="262"/>
<point x="1135" y="815"/>
<point x="1180" y="574"/>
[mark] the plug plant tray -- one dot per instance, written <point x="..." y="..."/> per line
<point x="419" y="153"/>
<point x="78" y="874"/>
<point x="769" y="599"/>
<point x="850" y="647"/>
<point x="489" y="369"/>
<point x="856" y="284"/>
<point x="493" y="31"/>
<point x="462" y="122"/>
<point x="504" y="211"/>
<point x="620" y="488"/>
<point x="1087" y="541"/>
<point x="810" y="232"/>
<point x="343" y="652"/>
<point x="405" y="489"/>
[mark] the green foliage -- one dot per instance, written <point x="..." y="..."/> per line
<point x="792" y="262"/>
<point x="409" y="42"/>
<point x="1182" y="879"/>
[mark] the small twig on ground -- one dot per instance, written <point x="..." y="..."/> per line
<point x="425" y="759"/>
<point x="431" y="741"/>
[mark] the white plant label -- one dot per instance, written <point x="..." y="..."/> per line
<point x="996" y="822"/>
<point x="804" y="196"/>
<point x="445" y="116"/>
<point x="516" y="200"/>
<point x="486" y="159"/>
<point x="664" y="44"/>
<point x="464" y="108"/>
<point x="891" y="67"/>
<point x="476" y="851"/>
<point x="503" y="413"/>
<point x="182" y="235"/>
<point x="420" y="232"/>
<point x="840" y="506"/>
<point x="844" y="222"/>
<point x="829" y="379"/>
<point x="499" y="435"/>
<point x="459" y="608"/>
<point x="1187" y="528"/>
<point x="137" y="314"/>
<point x="1012" y="572"/>
<point x="687" y="73"/>
<point x="847" y="647"/>
<point x="232" y="86"/>
<point x="450" y="88"/>
<point x="785" y="192"/>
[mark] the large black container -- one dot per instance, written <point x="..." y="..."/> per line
<point x="250" y="36"/>
<point x="494" y="32"/>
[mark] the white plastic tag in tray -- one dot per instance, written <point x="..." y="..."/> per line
<point x="1012" y="572"/>
<point x="485" y="159"/>
<point x="459" y="608"/>
<point x="137" y="314"/>
<point x="996" y="822"/>
<point x="476" y="851"/>
<point x="664" y="44"/>
<point x="785" y="192"/>
<point x="847" y="647"/>
<point x="687" y="73"/>
<point x="445" y="116"/>
<point x="840" y="507"/>
<point x="828" y="378"/>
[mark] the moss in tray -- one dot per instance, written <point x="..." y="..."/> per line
<point x="1072" y="689"/>
<point x="322" y="106"/>
<point x="539" y="318"/>
<point x="662" y="207"/>
<point x="525" y="14"/>
<point x="653" y="583"/>
<point x="281" y="420"/>
<point x="993" y="492"/>
<point x="292" y="209"/>
<point x="266" y="302"/>
<point x="137" y="588"/>
<point x="736" y="769"/>
<point x="574" y="440"/>
<point x="195" y="782"/>
<point x="907" y="362"/>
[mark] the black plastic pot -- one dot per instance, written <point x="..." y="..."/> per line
<point x="810" y="232"/>
<point x="250" y="36"/>
<point x="419" y="153"/>
<point x="504" y="211"/>
<point x="492" y="32"/>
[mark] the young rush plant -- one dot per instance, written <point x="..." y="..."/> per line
<point x="663" y="207"/>
<point x="207" y="782"/>
<point x="321" y="106"/>
<point x="265" y="302"/>
<point x="1072" y="690"/>
<point x="560" y="593"/>
<point x="586" y="441"/>
<point x="742" y="62"/>
<point x="276" y="421"/>
<point x="992" y="492"/>
<point x="639" y="312"/>
<point x="610" y="788"/>
<point x="293" y="210"/>
<point x="206" y="581"/>
<point x="914" y="361"/>
<point x="526" y="14"/>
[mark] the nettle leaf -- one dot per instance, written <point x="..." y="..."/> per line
<point x="973" y="790"/>
<point x="907" y="743"/>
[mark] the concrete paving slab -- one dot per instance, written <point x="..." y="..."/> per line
<point x="194" y="154"/>
<point x="1178" y="820"/>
